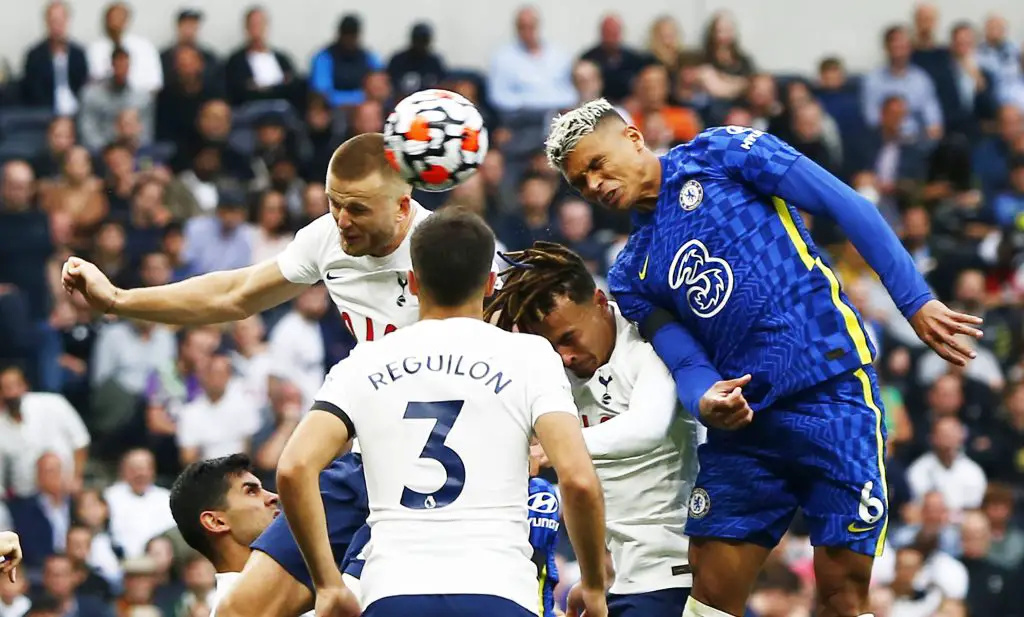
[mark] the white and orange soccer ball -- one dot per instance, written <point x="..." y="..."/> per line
<point x="435" y="139"/>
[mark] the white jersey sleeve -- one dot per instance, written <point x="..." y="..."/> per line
<point x="548" y="388"/>
<point x="332" y="394"/>
<point x="300" y="261"/>
<point x="652" y="408"/>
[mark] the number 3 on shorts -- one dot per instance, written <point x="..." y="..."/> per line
<point x="444" y="413"/>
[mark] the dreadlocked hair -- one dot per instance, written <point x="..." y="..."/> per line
<point x="531" y="286"/>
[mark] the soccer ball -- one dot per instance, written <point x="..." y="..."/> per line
<point x="435" y="139"/>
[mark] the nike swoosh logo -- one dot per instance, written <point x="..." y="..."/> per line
<point x="643" y="271"/>
<point x="331" y="278"/>
<point x="854" y="529"/>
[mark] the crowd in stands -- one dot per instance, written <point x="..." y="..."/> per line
<point x="159" y="165"/>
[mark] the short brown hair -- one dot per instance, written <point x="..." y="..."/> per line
<point x="360" y="157"/>
<point x="452" y="253"/>
<point x="998" y="494"/>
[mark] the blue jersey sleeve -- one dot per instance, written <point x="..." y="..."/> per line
<point x="810" y="188"/>
<point x="758" y="159"/>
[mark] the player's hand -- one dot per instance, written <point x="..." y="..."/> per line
<point x="938" y="326"/>
<point x="10" y="551"/>
<point x="724" y="407"/>
<point x="336" y="601"/>
<point x="84" y="277"/>
<point x="538" y="459"/>
<point x="583" y="602"/>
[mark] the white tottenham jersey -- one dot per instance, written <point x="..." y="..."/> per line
<point x="646" y="490"/>
<point x="444" y="410"/>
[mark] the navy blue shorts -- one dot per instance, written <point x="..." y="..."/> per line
<point x="661" y="603"/>
<point x="343" y="489"/>
<point x="352" y="564"/>
<point x="463" y="605"/>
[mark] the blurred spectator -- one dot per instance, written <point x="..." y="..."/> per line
<point x="909" y="600"/>
<point x="619" y="63"/>
<point x="651" y="97"/>
<point x="168" y="588"/>
<point x="147" y="219"/>
<point x="90" y="510"/>
<point x="279" y="422"/>
<point x="200" y="583"/>
<point x="222" y="420"/>
<point x="103" y="100"/>
<point x="809" y="137"/>
<point x="989" y="591"/>
<point x="535" y="195"/>
<point x="777" y="593"/>
<point x="947" y="469"/>
<point x="139" y="510"/>
<point x="688" y="89"/>
<point x="324" y="136"/>
<point x="1010" y="442"/>
<point x="127" y="352"/>
<point x="59" y="583"/>
<point x="963" y="87"/>
<point x="108" y="251"/>
<point x="272" y="231"/>
<point x="79" y="546"/>
<point x="258" y="71"/>
<point x="139" y="586"/>
<point x="188" y="89"/>
<point x="587" y="80"/>
<point x="1000" y="55"/>
<point x="187" y="37"/>
<point x="56" y="69"/>
<point x="13" y="599"/>
<point x="1006" y="540"/>
<point x="926" y="22"/>
<point x="377" y="88"/>
<point x="297" y="344"/>
<point x="726" y="67"/>
<point x="367" y="117"/>
<point x="146" y="74"/>
<point x="934" y="523"/>
<point x="78" y="193"/>
<point x="576" y="226"/>
<point x="42" y="516"/>
<point x="901" y="78"/>
<point x="991" y="156"/>
<point x="314" y="203"/>
<point x="1009" y="204"/>
<point x="530" y="74"/>
<point x="418" y="67"/>
<point x="220" y="241"/>
<point x="337" y="71"/>
<point x="60" y="136"/>
<point x="197" y="190"/>
<point x="120" y="178"/>
<point x="33" y="423"/>
<point x="251" y="356"/>
<point x="762" y="101"/>
<point x="664" y="44"/>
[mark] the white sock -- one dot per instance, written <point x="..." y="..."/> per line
<point x="695" y="608"/>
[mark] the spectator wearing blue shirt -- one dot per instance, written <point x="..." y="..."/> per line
<point x="222" y="241"/>
<point x="530" y="74"/>
<point x="1008" y="206"/>
<point x="338" y="71"/>
<point x="901" y="78"/>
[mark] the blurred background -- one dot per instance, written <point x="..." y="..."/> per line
<point x="162" y="141"/>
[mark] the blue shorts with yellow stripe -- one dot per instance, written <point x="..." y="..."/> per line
<point x="821" y="450"/>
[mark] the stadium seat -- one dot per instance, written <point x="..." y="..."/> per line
<point x="246" y="115"/>
<point x="19" y="147"/>
<point x="16" y="121"/>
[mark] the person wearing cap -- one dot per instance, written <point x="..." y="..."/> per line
<point x="223" y="240"/>
<point x="417" y="67"/>
<point x="189" y="20"/>
<point x="337" y="72"/>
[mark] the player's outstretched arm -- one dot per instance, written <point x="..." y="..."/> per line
<point x="10" y="552"/>
<point x="807" y="186"/>
<point x="582" y="499"/>
<point x="216" y="297"/>
<point x="321" y="436"/>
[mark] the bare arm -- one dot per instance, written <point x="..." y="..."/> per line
<point x="212" y="298"/>
<point x="582" y="498"/>
<point x="319" y="438"/>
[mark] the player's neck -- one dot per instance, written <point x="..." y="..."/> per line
<point x="231" y="558"/>
<point x="650" y="183"/>
<point x="470" y="310"/>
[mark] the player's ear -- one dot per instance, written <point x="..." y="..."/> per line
<point x="214" y="522"/>
<point x="414" y="285"/>
<point x="404" y="206"/>
<point x="634" y="135"/>
<point x="600" y="298"/>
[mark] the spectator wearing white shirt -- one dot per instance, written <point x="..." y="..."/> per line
<point x="147" y="73"/>
<point x="999" y="54"/>
<point x="13" y="599"/>
<point x="909" y="600"/>
<point x="297" y="344"/>
<point x="530" y="74"/>
<point x="32" y="423"/>
<point x="220" y="422"/>
<point x="139" y="510"/>
<point x="251" y="357"/>
<point x="257" y="70"/>
<point x="948" y="470"/>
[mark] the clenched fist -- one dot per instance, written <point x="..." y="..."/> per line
<point x="85" y="278"/>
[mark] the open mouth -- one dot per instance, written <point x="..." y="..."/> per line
<point x="611" y="198"/>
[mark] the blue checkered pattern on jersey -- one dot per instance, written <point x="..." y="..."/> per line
<point x="750" y="284"/>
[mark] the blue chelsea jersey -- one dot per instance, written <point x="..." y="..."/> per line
<point x="726" y="252"/>
<point x="545" y="514"/>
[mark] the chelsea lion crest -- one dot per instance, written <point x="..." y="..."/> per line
<point x="691" y="195"/>
<point x="700" y="503"/>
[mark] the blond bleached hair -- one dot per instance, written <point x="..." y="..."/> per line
<point x="569" y="128"/>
